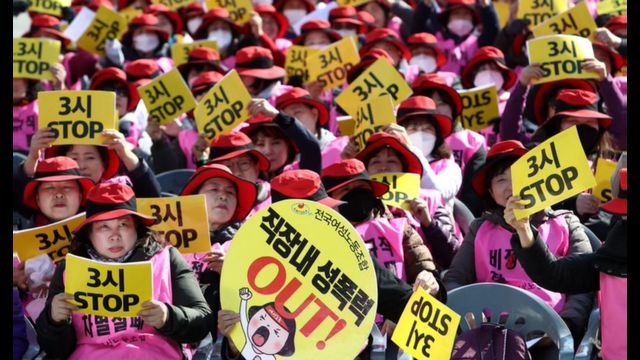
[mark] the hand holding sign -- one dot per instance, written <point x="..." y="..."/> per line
<point x="62" y="307"/>
<point x="154" y="313"/>
<point x="561" y="56"/>
<point x="420" y="211"/>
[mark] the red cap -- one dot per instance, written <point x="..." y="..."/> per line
<point x="147" y="22"/>
<point x="257" y="61"/>
<point x="541" y="95"/>
<point x="316" y="25"/>
<point x="385" y="35"/>
<point x="283" y="22"/>
<point x="232" y="145"/>
<point x="425" y="82"/>
<point x="199" y="56"/>
<point x="46" y="24"/>
<point x="427" y="40"/>
<point x="459" y="4"/>
<point x="279" y="5"/>
<point x="422" y="105"/>
<point x="484" y="54"/>
<point x="142" y="69"/>
<point x="190" y="11"/>
<point x="95" y="4"/>
<point x="367" y="19"/>
<point x="205" y="81"/>
<point x="301" y="184"/>
<point x="617" y="23"/>
<point x="618" y="206"/>
<point x="498" y="152"/>
<point x="111" y="168"/>
<point x="381" y="140"/>
<point x="299" y="95"/>
<point x="344" y="172"/>
<point x="211" y="16"/>
<point x="347" y="15"/>
<point x="173" y="16"/>
<point x="116" y="74"/>
<point x="365" y="61"/>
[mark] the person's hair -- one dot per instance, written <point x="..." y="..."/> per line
<point x="277" y="133"/>
<point x="33" y="88"/>
<point x="289" y="347"/>
<point x="375" y="152"/>
<point x="498" y="168"/>
<point x="261" y="84"/>
<point x="443" y="94"/>
<point x="111" y="84"/>
<point x="102" y="150"/>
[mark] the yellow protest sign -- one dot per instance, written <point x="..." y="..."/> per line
<point x="303" y="282"/>
<point x="106" y="25"/>
<point x="371" y="117"/>
<point x="32" y="58"/>
<point x="479" y="107"/>
<point x="295" y="62"/>
<point x="561" y="57"/>
<point x="551" y="172"/>
<point x="167" y="97"/>
<point x="78" y="117"/>
<point x="427" y="327"/>
<point x="182" y="220"/>
<point x="49" y="7"/>
<point x="604" y="171"/>
<point x="108" y="289"/>
<point x="612" y="7"/>
<point x="575" y="21"/>
<point x="224" y="107"/>
<point x="53" y="239"/>
<point x="180" y="52"/>
<point x="537" y="11"/>
<point x="175" y="4"/>
<point x="129" y="13"/>
<point x="352" y="2"/>
<point x="379" y="78"/>
<point x="402" y="187"/>
<point x="502" y="8"/>
<point x="330" y="66"/>
<point x="239" y="10"/>
<point x="346" y="124"/>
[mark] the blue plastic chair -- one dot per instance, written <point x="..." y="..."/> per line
<point x="173" y="181"/>
<point x="527" y="314"/>
<point x="462" y="215"/>
<point x="587" y="350"/>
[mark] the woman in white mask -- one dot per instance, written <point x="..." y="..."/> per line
<point x="294" y="11"/>
<point x="217" y="26"/>
<point x="146" y="40"/>
<point x="428" y="57"/>
<point x="344" y="20"/>
<point x="168" y="20"/>
<point x="191" y="17"/>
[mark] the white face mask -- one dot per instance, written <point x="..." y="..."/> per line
<point x="221" y="37"/>
<point x="294" y="15"/>
<point x="489" y="77"/>
<point x="425" y="141"/>
<point x="426" y="63"/>
<point x="460" y="27"/>
<point x="145" y="42"/>
<point x="346" y="32"/>
<point x="317" y="46"/>
<point x="194" y="24"/>
<point x="262" y="2"/>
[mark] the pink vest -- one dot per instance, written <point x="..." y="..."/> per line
<point x="621" y="83"/>
<point x="495" y="260"/>
<point x="448" y="76"/>
<point x="229" y="62"/>
<point x="100" y="337"/>
<point x="25" y="124"/>
<point x="330" y="154"/>
<point x="490" y="136"/>
<point x="412" y="73"/>
<point x="613" y="316"/>
<point x="383" y="238"/>
<point x="464" y="144"/>
<point x="439" y="165"/>
<point x="186" y="139"/>
<point x="457" y="55"/>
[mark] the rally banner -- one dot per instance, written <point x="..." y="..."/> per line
<point x="575" y="21"/>
<point x="108" y="289"/>
<point x="537" y="11"/>
<point x="302" y="280"/>
<point x="167" y="97"/>
<point x="295" y="63"/>
<point x="182" y="220"/>
<point x="331" y="65"/>
<point x="379" y="78"/>
<point x="53" y="239"/>
<point x="175" y="4"/>
<point x="180" y="51"/>
<point x="551" y="172"/>
<point x="604" y="171"/>
<point x="427" y="328"/>
<point x="49" y="7"/>
<point x="78" y="117"/>
<point x="224" y="107"/>
<point x="612" y="7"/>
<point x="372" y="117"/>
<point x="402" y="187"/>
<point x="479" y="107"/>
<point x="33" y="58"/>
<point x="561" y="57"/>
<point x="106" y="25"/>
<point x="239" y="10"/>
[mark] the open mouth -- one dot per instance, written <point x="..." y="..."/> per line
<point x="260" y="336"/>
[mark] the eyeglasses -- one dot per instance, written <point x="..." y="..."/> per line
<point x="242" y="165"/>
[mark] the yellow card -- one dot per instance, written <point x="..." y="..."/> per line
<point x="129" y="13"/>
<point x="78" y="117"/>
<point x="613" y="7"/>
<point x="330" y="66"/>
<point x="503" y="9"/>
<point x="299" y="267"/>
<point x="537" y="11"/>
<point x="604" y="171"/>
<point x="53" y="239"/>
<point x="371" y="117"/>
<point x="427" y="328"/>
<point x="108" y="289"/>
<point x="479" y="107"/>
<point x="379" y="78"/>
<point x="553" y="171"/>
<point x="346" y="124"/>
<point x="180" y="52"/>
<point x="224" y="107"/>
<point x="561" y="57"/>
<point x="239" y="10"/>
<point x="174" y="4"/>
<point x="106" y="25"/>
<point x="295" y="62"/>
<point x="575" y="21"/>
<point x="50" y="7"/>
<point x="32" y="58"/>
<point x="352" y="2"/>
<point x="182" y="220"/>
<point x="402" y="187"/>
<point x="167" y="97"/>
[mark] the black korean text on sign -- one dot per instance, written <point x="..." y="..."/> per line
<point x="425" y="312"/>
<point x="372" y="82"/>
<point x="225" y="118"/>
<point x="33" y="67"/>
<point x="77" y="106"/>
<point x="46" y="242"/>
<point x="111" y="32"/>
<point x="568" y="66"/>
<point x="110" y="302"/>
<point x="332" y="76"/>
<point x="167" y="109"/>
<point x="235" y="13"/>
<point x="540" y="17"/>
<point x="180" y="238"/>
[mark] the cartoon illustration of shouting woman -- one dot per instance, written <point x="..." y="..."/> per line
<point x="267" y="333"/>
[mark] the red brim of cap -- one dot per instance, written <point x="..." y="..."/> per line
<point x="330" y="202"/>
<point x="616" y="206"/>
<point x="65" y="40"/>
<point x="478" y="180"/>
<point x="362" y="27"/>
<point x="444" y="14"/>
<point x="542" y="92"/>
<point x="378" y="188"/>
<point x="272" y="73"/>
<point x="114" y="214"/>
<point x="323" y="112"/>
<point x="604" y="120"/>
<point x="445" y="124"/>
<point x="29" y="195"/>
<point x="333" y="35"/>
<point x="263" y="162"/>
<point x="413" y="163"/>
<point x="184" y="68"/>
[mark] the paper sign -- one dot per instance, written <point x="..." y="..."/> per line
<point x="53" y="239"/>
<point x="80" y="23"/>
<point x="224" y="107"/>
<point x="346" y="124"/>
<point x="354" y="3"/>
<point x="78" y="117"/>
<point x="108" y="289"/>
<point x="379" y="78"/>
<point x="604" y="171"/>
<point x="106" y="25"/>
<point x="575" y="21"/>
<point x="180" y="52"/>
<point x="50" y="7"/>
<point x="295" y="62"/>
<point x="239" y="10"/>
<point x="503" y="9"/>
<point x="167" y="97"/>
<point x="402" y="187"/>
<point x="183" y="221"/>
<point x="330" y="66"/>
<point x="372" y="117"/>
<point x="612" y="7"/>
<point x="129" y="13"/>
<point x="174" y="4"/>
<point x="537" y="11"/>
<point x="561" y="57"/>
<point x="479" y="107"/>
<point x="303" y="282"/>
<point x="32" y="58"/>
<point x="551" y="172"/>
<point x="427" y="328"/>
